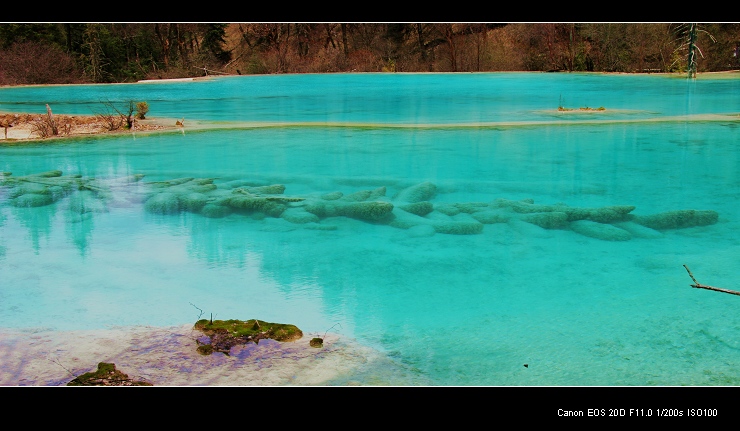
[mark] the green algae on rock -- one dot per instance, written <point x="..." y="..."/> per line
<point x="316" y="342"/>
<point x="225" y="334"/>
<point x="106" y="375"/>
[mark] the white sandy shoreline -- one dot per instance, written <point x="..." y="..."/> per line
<point x="168" y="357"/>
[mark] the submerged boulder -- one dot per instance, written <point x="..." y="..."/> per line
<point x="163" y="203"/>
<point x="299" y="216"/>
<point x="547" y="220"/>
<point x="610" y="214"/>
<point x="638" y="230"/>
<point x="491" y="216"/>
<point x="193" y="201"/>
<point x="370" y="211"/>
<point x="678" y="219"/>
<point x="332" y="196"/>
<point x="365" y="195"/>
<point x="32" y="200"/>
<point x="418" y="208"/>
<point x="417" y="193"/>
<point x="458" y="227"/>
<point x="215" y="211"/>
<point x="600" y="231"/>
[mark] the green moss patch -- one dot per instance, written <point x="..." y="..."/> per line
<point x="225" y="334"/>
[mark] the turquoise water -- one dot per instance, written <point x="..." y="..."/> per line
<point x="517" y="254"/>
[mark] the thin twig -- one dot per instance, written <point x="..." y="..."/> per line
<point x="703" y="286"/>
<point x="65" y="368"/>
<point x="201" y="311"/>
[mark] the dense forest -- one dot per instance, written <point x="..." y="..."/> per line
<point x="60" y="53"/>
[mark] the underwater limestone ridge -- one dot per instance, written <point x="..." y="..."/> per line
<point x="46" y="188"/>
<point x="410" y="208"/>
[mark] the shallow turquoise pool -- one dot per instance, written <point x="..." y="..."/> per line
<point x="459" y="223"/>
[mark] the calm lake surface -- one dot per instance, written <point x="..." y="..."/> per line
<point x="458" y="223"/>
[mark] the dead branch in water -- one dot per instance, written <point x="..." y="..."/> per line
<point x="703" y="286"/>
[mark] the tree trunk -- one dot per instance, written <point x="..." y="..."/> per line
<point x="692" y="51"/>
<point x="344" y="40"/>
<point x="164" y="42"/>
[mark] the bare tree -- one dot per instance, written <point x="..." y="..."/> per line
<point x="687" y="36"/>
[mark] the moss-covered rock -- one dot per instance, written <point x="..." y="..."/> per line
<point x="471" y="207"/>
<point x="273" y="189"/>
<point x="170" y="183"/>
<point x="531" y="208"/>
<point x="491" y="216"/>
<point x="225" y="334"/>
<point x="250" y="202"/>
<point x="319" y="226"/>
<point x="192" y="187"/>
<point x="316" y="342"/>
<point x="193" y="201"/>
<point x="215" y="211"/>
<point x="638" y="230"/>
<point x="27" y="187"/>
<point x="321" y="208"/>
<point x="370" y="211"/>
<point x="447" y="209"/>
<point x="332" y="196"/>
<point x="299" y="216"/>
<point x="48" y="174"/>
<point x="547" y="220"/>
<point x="508" y="203"/>
<point x="163" y="203"/>
<point x="420" y="192"/>
<point x="32" y="200"/>
<point x="106" y="375"/>
<point x="610" y="214"/>
<point x="405" y="220"/>
<point x="360" y="196"/>
<point x="418" y="208"/>
<point x="458" y="227"/>
<point x="678" y="219"/>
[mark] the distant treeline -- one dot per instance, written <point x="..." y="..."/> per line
<point x="58" y="53"/>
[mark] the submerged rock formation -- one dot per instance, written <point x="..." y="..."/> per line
<point x="411" y="208"/>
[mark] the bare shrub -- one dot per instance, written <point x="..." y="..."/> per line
<point x="110" y="121"/>
<point x="363" y="60"/>
<point x="328" y="60"/>
<point x="47" y="126"/>
<point x="37" y="63"/>
<point x="114" y="118"/>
